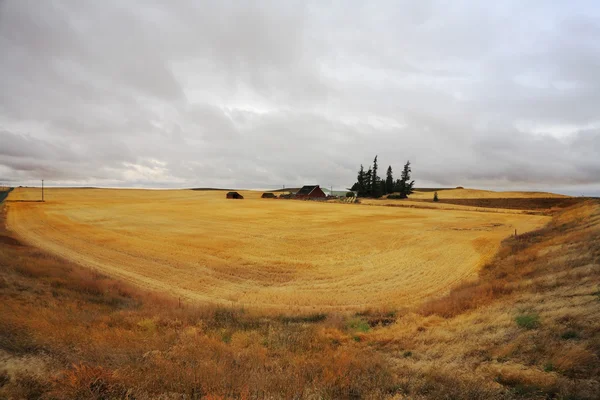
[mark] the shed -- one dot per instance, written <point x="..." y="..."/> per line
<point x="311" y="192"/>
<point x="234" y="195"/>
<point x="268" y="195"/>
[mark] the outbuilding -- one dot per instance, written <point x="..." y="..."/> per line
<point x="311" y="192"/>
<point x="268" y="195"/>
<point x="234" y="195"/>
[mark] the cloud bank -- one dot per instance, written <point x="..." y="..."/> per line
<point x="270" y="93"/>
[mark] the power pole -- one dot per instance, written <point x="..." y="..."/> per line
<point x="42" y="190"/>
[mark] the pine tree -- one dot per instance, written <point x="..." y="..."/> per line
<point x="406" y="185"/>
<point x="435" y="197"/>
<point x="397" y="186"/>
<point x="368" y="182"/>
<point x="375" y="185"/>
<point x="361" y="181"/>
<point x="389" y="181"/>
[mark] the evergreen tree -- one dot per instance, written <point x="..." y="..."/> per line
<point x="375" y="185"/>
<point x="389" y="181"/>
<point x="406" y="185"/>
<point x="397" y="186"/>
<point x="369" y="182"/>
<point x="435" y="197"/>
<point x="361" y="181"/>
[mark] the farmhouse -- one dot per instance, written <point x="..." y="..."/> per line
<point x="234" y="195"/>
<point x="268" y="195"/>
<point x="311" y="192"/>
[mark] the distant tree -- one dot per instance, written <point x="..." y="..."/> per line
<point x="406" y="185"/>
<point x="375" y="185"/>
<point x="397" y="185"/>
<point x="369" y="183"/>
<point x="389" y="181"/>
<point x="435" y="197"/>
<point x="359" y="186"/>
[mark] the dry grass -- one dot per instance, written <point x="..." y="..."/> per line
<point x="68" y="332"/>
<point x="529" y="327"/>
<point x="483" y="194"/>
<point x="278" y="254"/>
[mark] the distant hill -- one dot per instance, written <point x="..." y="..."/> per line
<point x="293" y="190"/>
<point x="431" y="189"/>
<point x="204" y="189"/>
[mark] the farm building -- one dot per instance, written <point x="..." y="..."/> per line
<point x="234" y="195"/>
<point x="268" y="195"/>
<point x="311" y="192"/>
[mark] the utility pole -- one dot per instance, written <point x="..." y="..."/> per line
<point x="42" y="190"/>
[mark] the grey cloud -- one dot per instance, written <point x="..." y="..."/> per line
<point x="261" y="94"/>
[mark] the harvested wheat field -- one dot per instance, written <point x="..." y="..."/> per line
<point x="283" y="254"/>
<point x="483" y="194"/>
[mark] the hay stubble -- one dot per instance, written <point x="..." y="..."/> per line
<point x="264" y="253"/>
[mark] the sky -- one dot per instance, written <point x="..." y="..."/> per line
<point x="260" y="94"/>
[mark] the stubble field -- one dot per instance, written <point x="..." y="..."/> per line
<point x="264" y="253"/>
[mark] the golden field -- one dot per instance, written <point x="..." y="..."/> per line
<point x="482" y="194"/>
<point x="264" y="253"/>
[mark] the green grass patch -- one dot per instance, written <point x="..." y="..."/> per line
<point x="358" y="324"/>
<point x="528" y="321"/>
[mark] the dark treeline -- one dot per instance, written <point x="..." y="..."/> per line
<point x="369" y="184"/>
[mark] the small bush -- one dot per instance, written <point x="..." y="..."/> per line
<point x="350" y="194"/>
<point x="528" y="321"/>
<point x="570" y="334"/>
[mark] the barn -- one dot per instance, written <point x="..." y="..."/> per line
<point x="311" y="192"/>
<point x="268" y="195"/>
<point x="234" y="195"/>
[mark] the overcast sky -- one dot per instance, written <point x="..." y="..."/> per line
<point x="261" y="94"/>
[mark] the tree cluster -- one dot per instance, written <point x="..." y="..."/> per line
<point x="369" y="184"/>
